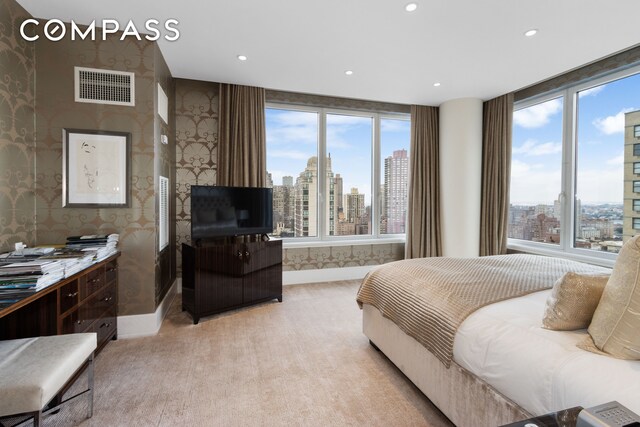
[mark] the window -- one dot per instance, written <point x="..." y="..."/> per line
<point x="292" y="162"/>
<point x="536" y="172"/>
<point x="328" y="171"/>
<point x="573" y="159"/>
<point x="348" y="171"/>
<point x="636" y="223"/>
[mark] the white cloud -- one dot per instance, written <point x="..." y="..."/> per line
<point x="388" y="125"/>
<point x="537" y="115"/>
<point x="532" y="147"/>
<point x="533" y="183"/>
<point x="601" y="185"/>
<point x="591" y="92"/>
<point x="612" y="124"/>
<point x="616" y="161"/>
<point x="293" y="127"/>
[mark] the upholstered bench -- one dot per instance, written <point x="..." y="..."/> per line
<point x="34" y="370"/>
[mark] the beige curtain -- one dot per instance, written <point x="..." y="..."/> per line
<point x="241" y="137"/>
<point x="497" y="116"/>
<point x="423" y="222"/>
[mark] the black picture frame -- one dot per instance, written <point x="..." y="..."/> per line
<point x="96" y="170"/>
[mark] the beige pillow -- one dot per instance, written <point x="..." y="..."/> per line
<point x="573" y="300"/>
<point x="615" y="327"/>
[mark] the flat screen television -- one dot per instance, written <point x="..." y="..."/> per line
<point x="218" y="211"/>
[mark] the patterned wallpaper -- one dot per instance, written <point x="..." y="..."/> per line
<point x="17" y="129"/>
<point x="196" y="155"/>
<point x="341" y="256"/>
<point x="196" y="148"/>
<point x="55" y="110"/>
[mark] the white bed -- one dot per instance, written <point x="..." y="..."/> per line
<point x="507" y="367"/>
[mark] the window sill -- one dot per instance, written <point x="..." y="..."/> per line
<point x="604" y="259"/>
<point x="291" y="243"/>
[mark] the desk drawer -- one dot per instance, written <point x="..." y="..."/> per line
<point x="72" y="323"/>
<point x="111" y="271"/>
<point x="91" y="282"/>
<point x="95" y="306"/>
<point x="105" y="326"/>
<point x="68" y="296"/>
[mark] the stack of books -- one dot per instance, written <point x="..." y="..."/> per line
<point x="21" y="279"/>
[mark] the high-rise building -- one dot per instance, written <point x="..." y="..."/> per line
<point x="631" y="209"/>
<point x="396" y="191"/>
<point x="338" y="185"/>
<point x="287" y="181"/>
<point x="269" y="180"/>
<point x="306" y="200"/>
<point x="355" y="206"/>
<point x="283" y="210"/>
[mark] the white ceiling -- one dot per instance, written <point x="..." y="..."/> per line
<point x="474" y="48"/>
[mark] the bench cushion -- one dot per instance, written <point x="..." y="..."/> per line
<point x="33" y="370"/>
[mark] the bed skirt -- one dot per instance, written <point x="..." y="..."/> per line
<point x="464" y="398"/>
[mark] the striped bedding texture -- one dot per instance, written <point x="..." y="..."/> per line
<point x="429" y="298"/>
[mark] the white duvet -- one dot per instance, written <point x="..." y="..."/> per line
<point x="541" y="370"/>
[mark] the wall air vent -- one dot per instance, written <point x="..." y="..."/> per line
<point x="104" y="86"/>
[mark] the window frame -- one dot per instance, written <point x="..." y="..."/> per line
<point x="566" y="247"/>
<point x="322" y="236"/>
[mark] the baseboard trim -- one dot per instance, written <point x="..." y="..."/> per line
<point x="298" y="277"/>
<point x="144" y="325"/>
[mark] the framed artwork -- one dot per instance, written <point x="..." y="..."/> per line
<point x="96" y="170"/>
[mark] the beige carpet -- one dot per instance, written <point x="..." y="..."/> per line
<point x="301" y="362"/>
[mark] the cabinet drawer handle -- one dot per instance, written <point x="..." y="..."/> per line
<point x="112" y="269"/>
<point x="105" y="325"/>
<point x="72" y="295"/>
<point x="79" y="322"/>
<point x="107" y="299"/>
<point x="97" y="280"/>
<point x="240" y="254"/>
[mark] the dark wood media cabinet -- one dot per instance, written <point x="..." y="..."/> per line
<point x="222" y="276"/>
<point x="84" y="302"/>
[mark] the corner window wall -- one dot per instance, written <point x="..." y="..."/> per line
<point x="579" y="165"/>
<point x="350" y="151"/>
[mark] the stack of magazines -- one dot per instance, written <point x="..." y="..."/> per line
<point x="100" y="245"/>
<point x="73" y="260"/>
<point x="21" y="279"/>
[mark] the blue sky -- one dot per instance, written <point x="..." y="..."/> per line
<point x="537" y="145"/>
<point x="292" y="138"/>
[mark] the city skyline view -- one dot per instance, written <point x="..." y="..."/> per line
<point x="292" y="151"/>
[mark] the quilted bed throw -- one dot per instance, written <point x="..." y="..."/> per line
<point x="429" y="298"/>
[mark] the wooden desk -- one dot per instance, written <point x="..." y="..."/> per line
<point x="84" y="302"/>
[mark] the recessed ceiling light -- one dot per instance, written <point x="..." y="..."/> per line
<point x="242" y="57"/>
<point x="411" y="7"/>
<point x="531" y="32"/>
<point x="348" y="72"/>
<point x="436" y="84"/>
